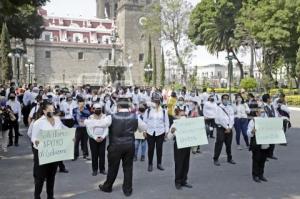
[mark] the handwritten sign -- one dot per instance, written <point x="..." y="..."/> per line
<point x="56" y="145"/>
<point x="269" y="131"/>
<point x="190" y="132"/>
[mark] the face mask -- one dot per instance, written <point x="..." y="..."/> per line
<point x="212" y="100"/>
<point x="50" y="114"/>
<point x="98" y="111"/>
<point x="12" y="98"/>
<point x="142" y="110"/>
<point x="180" y="103"/>
<point x="193" y="94"/>
<point x="153" y="105"/>
<point x="225" y="102"/>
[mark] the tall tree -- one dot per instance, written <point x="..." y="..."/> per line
<point x="163" y="69"/>
<point x="154" y="68"/>
<point x="170" y="18"/>
<point x="5" y="61"/>
<point x="148" y="64"/>
<point x="212" y="23"/>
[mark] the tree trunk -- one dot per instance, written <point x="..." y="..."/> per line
<point x="180" y="62"/>
<point x="240" y="65"/>
<point x="251" y="69"/>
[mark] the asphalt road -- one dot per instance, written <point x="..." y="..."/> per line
<point x="209" y="182"/>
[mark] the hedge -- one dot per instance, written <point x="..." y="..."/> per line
<point x="285" y="91"/>
<point x="293" y="100"/>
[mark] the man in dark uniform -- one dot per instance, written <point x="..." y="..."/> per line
<point x="122" y="126"/>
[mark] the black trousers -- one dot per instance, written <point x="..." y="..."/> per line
<point x="116" y="153"/>
<point x="152" y="142"/>
<point x="61" y="166"/>
<point x="271" y="150"/>
<point x="68" y="122"/>
<point x="210" y="123"/>
<point x="182" y="164"/>
<point x="26" y="112"/>
<point x="14" y="127"/>
<point x="222" y="138"/>
<point x="43" y="173"/>
<point x="259" y="157"/>
<point x="98" y="154"/>
<point x="171" y="120"/>
<point x="82" y="137"/>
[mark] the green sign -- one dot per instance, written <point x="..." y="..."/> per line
<point x="190" y="132"/>
<point x="269" y="131"/>
<point x="56" y="145"/>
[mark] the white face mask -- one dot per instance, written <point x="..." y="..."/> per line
<point x="153" y="105"/>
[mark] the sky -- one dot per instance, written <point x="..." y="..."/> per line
<point x="87" y="9"/>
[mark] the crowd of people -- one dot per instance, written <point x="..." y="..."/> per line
<point x="133" y="121"/>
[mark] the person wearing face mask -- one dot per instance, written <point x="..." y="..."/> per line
<point x="44" y="173"/>
<point x="215" y="96"/>
<point x="67" y="109"/>
<point x="111" y="105"/>
<point x="97" y="140"/>
<point x="6" y="118"/>
<point x="80" y="114"/>
<point x="224" y="121"/>
<point x="241" y="111"/>
<point x="157" y="122"/>
<point x="35" y="108"/>
<point x="16" y="108"/>
<point x="209" y="113"/>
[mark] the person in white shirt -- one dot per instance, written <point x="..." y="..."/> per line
<point x="283" y="112"/>
<point x="67" y="110"/>
<point x="44" y="172"/>
<point x="27" y="100"/>
<point x="15" y="106"/>
<point x="181" y="156"/>
<point x="209" y="113"/>
<point x="259" y="152"/>
<point x="241" y="111"/>
<point x="35" y="108"/>
<point x="215" y="96"/>
<point x="204" y="97"/>
<point x="111" y="105"/>
<point x="224" y="121"/>
<point x="157" y="122"/>
<point x="97" y="139"/>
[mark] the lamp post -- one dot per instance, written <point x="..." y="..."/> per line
<point x="17" y="53"/>
<point x="29" y="66"/>
<point x="230" y="70"/>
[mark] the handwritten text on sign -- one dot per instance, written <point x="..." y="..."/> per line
<point x="56" y="145"/>
<point x="269" y="131"/>
<point x="190" y="132"/>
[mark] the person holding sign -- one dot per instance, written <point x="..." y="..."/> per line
<point x="259" y="152"/>
<point x="224" y="121"/>
<point x="97" y="139"/>
<point x="181" y="156"/>
<point x="44" y="172"/>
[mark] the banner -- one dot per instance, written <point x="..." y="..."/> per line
<point x="269" y="131"/>
<point x="56" y="145"/>
<point x="190" y="132"/>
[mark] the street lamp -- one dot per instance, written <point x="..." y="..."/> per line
<point x="29" y="65"/>
<point x="16" y="54"/>
<point x="230" y="57"/>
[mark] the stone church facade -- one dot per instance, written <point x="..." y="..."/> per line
<point x="76" y="51"/>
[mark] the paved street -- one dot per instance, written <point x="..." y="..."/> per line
<point x="227" y="181"/>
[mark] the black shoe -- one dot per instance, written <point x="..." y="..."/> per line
<point x="160" y="167"/>
<point x="63" y="171"/>
<point x="212" y="137"/>
<point x="150" y="168"/>
<point x="217" y="163"/>
<point x="9" y="145"/>
<point x="135" y="158"/>
<point x="142" y="158"/>
<point x="20" y="134"/>
<point x="273" y="158"/>
<point x="101" y="187"/>
<point x="256" y="179"/>
<point x="231" y="162"/>
<point x="178" y="186"/>
<point x="187" y="185"/>
<point x="262" y="178"/>
<point x="75" y="159"/>
<point x="16" y="144"/>
<point x="194" y="152"/>
<point x="94" y="173"/>
<point x="103" y="172"/>
<point x="127" y="193"/>
<point x="283" y="144"/>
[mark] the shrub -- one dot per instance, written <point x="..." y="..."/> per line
<point x="293" y="100"/>
<point x="248" y="83"/>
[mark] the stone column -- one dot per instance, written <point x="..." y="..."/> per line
<point x="101" y="9"/>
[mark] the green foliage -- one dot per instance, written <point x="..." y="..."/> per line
<point x="11" y="7"/>
<point x="248" y="83"/>
<point x="5" y="62"/>
<point x="154" y="68"/>
<point x="163" y="69"/>
<point x="293" y="100"/>
<point x="223" y="90"/>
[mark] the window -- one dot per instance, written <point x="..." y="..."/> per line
<point x="219" y="74"/>
<point x="80" y="55"/>
<point x="47" y="54"/>
<point x="109" y="56"/>
<point x="141" y="57"/>
<point x="77" y="39"/>
<point x="47" y="37"/>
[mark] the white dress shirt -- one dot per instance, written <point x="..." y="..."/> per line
<point x="92" y="129"/>
<point x="210" y="109"/>
<point x="226" y="120"/>
<point x="204" y="97"/>
<point x="27" y="97"/>
<point x="16" y="107"/>
<point x="67" y="108"/>
<point x="34" y="110"/>
<point x="43" y="124"/>
<point x="241" y="110"/>
<point x="156" y="121"/>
